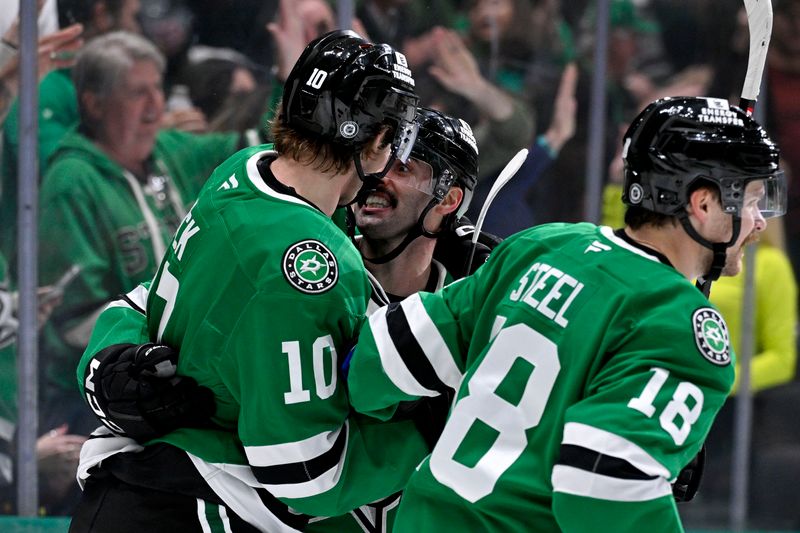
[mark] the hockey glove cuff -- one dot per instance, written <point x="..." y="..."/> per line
<point x="135" y="392"/>
<point x="688" y="481"/>
<point x="453" y="247"/>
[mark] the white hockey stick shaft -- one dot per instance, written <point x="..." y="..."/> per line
<point x="504" y="177"/>
<point x="759" y="23"/>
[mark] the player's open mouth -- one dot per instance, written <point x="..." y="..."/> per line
<point x="378" y="200"/>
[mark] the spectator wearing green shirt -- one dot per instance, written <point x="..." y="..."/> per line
<point x="115" y="192"/>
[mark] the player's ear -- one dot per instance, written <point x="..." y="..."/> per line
<point x="701" y="201"/>
<point x="93" y="105"/>
<point x="449" y="204"/>
<point x="451" y="201"/>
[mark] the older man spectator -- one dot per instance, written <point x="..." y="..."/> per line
<point x="58" y="110"/>
<point x="113" y="195"/>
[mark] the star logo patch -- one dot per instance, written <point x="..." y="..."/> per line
<point x="310" y="267"/>
<point x="711" y="336"/>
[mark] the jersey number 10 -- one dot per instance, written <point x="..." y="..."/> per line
<point x="324" y="381"/>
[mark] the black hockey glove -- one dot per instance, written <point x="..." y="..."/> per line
<point x="429" y="415"/>
<point x="688" y="481"/>
<point x="135" y="392"/>
<point x="453" y="247"/>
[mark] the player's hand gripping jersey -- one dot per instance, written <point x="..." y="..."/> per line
<point x="273" y="362"/>
<point x="588" y="373"/>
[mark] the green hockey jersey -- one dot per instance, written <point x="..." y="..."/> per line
<point x="588" y="372"/>
<point x="263" y="294"/>
<point x="124" y="322"/>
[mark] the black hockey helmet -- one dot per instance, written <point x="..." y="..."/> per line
<point x="675" y="142"/>
<point x="344" y="89"/>
<point x="448" y="145"/>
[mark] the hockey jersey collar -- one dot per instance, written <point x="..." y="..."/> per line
<point x="379" y="296"/>
<point x="261" y="176"/>
<point x="622" y="239"/>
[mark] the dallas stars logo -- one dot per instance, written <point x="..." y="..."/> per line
<point x="711" y="336"/>
<point x="310" y="267"/>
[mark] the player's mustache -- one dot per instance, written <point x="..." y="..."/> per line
<point x="752" y="238"/>
<point x="379" y="189"/>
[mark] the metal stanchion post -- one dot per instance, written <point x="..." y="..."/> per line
<point x="27" y="342"/>
<point x="595" y="162"/>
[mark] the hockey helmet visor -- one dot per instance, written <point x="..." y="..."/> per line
<point x="414" y="173"/>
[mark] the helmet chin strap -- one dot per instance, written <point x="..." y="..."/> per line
<point x="719" y="250"/>
<point x="350" y="222"/>
<point x="368" y="181"/>
<point x="417" y="230"/>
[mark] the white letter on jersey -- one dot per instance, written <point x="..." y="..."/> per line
<point x="168" y="290"/>
<point x="189" y="231"/>
<point x="678" y="407"/>
<point x="523" y="282"/>
<point x="325" y="389"/>
<point x="324" y="386"/>
<point x="538" y="286"/>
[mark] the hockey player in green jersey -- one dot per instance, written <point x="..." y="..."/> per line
<point x="416" y="210"/>
<point x="262" y="293"/>
<point x="428" y="193"/>
<point x="587" y="367"/>
<point x="400" y="222"/>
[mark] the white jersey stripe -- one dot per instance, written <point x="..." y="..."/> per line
<point x="255" y="178"/>
<point x="580" y="482"/>
<point x="235" y="487"/>
<point x="201" y="516"/>
<point x="608" y="443"/>
<point x="431" y="341"/>
<point x="138" y="296"/>
<point x="608" y="233"/>
<point x="392" y="363"/>
<point x="226" y="522"/>
<point x="293" y="452"/>
<point x="298" y="452"/>
<point x="314" y="487"/>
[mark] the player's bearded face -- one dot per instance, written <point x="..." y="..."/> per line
<point x="733" y="260"/>
<point x="392" y="208"/>
<point x="752" y="224"/>
<point x="373" y="159"/>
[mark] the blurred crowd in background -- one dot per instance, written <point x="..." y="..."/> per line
<point x="203" y="78"/>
